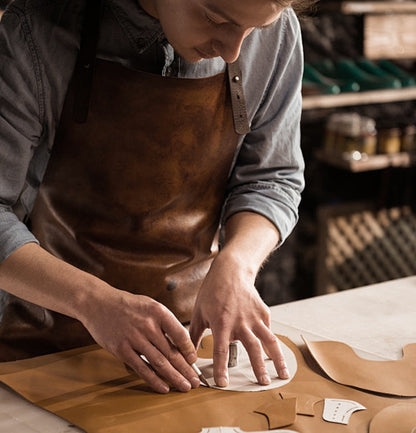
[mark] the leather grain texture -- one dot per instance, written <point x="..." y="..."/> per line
<point x="133" y="196"/>
<point x="93" y="390"/>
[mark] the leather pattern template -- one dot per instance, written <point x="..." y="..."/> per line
<point x="342" y="364"/>
<point x="241" y="377"/>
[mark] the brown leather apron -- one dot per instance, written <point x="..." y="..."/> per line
<point x="133" y="196"/>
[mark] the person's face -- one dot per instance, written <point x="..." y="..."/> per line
<point x="199" y="29"/>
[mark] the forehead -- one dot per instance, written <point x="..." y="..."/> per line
<point x="246" y="13"/>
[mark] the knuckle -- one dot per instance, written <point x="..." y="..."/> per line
<point x="270" y="339"/>
<point x="141" y="369"/>
<point x="156" y="309"/>
<point x="159" y="363"/>
<point x="221" y="350"/>
<point x="267" y="315"/>
<point x="252" y="344"/>
<point x="119" y="348"/>
<point x="172" y="357"/>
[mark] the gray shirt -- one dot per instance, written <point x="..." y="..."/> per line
<point x="39" y="41"/>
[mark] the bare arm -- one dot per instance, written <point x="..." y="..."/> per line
<point x="230" y="305"/>
<point x="125" y="324"/>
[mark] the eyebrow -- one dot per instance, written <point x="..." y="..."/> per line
<point x="226" y="17"/>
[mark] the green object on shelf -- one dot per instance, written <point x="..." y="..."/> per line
<point x="327" y="68"/>
<point x="326" y="85"/>
<point x="348" y="69"/>
<point x="406" y="79"/>
<point x="373" y="69"/>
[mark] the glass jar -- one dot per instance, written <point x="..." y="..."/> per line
<point x="408" y="139"/>
<point x="389" y="140"/>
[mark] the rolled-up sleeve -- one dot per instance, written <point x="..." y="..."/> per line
<point x="38" y="45"/>
<point x="268" y="174"/>
<point x="20" y="125"/>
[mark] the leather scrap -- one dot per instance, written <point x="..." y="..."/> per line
<point x="304" y="402"/>
<point x="279" y="413"/>
<point x="342" y="364"/>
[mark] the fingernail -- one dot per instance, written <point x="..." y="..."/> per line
<point x="222" y="382"/>
<point x="163" y="389"/>
<point x="185" y="386"/>
<point x="285" y="374"/>
<point x="191" y="357"/>
<point x="265" y="380"/>
<point x="195" y="382"/>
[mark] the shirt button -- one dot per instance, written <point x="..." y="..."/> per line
<point x="169" y="71"/>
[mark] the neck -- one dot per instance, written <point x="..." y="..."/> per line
<point x="149" y="7"/>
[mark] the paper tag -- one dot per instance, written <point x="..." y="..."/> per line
<point x="339" y="411"/>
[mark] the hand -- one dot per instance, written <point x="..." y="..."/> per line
<point x="230" y="305"/>
<point x="126" y="325"/>
<point x="130" y="325"/>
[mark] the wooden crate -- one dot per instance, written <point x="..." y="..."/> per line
<point x="359" y="245"/>
<point x="391" y="36"/>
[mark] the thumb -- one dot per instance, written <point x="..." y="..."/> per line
<point x="196" y="330"/>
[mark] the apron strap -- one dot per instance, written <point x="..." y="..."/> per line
<point x="84" y="68"/>
<point x="241" y="124"/>
<point x="84" y="71"/>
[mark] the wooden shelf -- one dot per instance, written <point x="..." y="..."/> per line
<point x="369" y="7"/>
<point x="368" y="163"/>
<point x="359" y="98"/>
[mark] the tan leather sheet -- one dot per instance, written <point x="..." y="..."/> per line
<point x="93" y="390"/>
<point x="342" y="364"/>
<point x="386" y="420"/>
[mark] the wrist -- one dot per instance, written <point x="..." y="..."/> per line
<point x="238" y="261"/>
<point x="91" y="295"/>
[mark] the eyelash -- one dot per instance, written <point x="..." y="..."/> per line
<point x="211" y="21"/>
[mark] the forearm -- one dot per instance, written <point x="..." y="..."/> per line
<point x="123" y="323"/>
<point x="249" y="239"/>
<point x="229" y="303"/>
<point x="31" y="273"/>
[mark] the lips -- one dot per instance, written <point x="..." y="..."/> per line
<point x="204" y="54"/>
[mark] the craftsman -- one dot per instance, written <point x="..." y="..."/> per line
<point x="117" y="173"/>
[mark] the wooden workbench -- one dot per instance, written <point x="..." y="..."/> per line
<point x="377" y="321"/>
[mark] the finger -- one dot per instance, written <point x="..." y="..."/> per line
<point x="145" y="372"/>
<point x="255" y="354"/>
<point x="272" y="348"/>
<point x="220" y="358"/>
<point x="163" y="367"/>
<point x="174" y="356"/>
<point x="179" y="337"/>
<point x="196" y="330"/>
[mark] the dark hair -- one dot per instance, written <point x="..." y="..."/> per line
<point x="301" y="7"/>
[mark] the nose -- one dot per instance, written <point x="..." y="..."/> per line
<point x="228" y="46"/>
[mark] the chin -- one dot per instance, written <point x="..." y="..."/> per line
<point x="191" y="56"/>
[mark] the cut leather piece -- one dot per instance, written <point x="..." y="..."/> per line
<point x="304" y="402"/>
<point x="93" y="390"/>
<point x="342" y="364"/>
<point x="400" y="418"/>
<point x="340" y="410"/>
<point x="279" y="413"/>
<point x="241" y="377"/>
